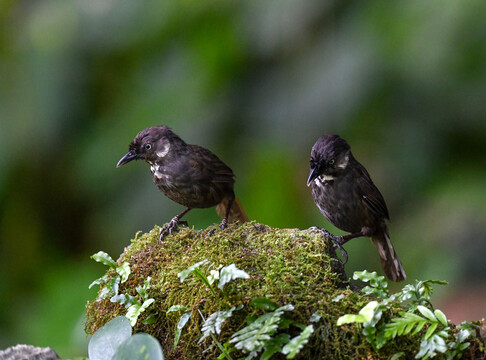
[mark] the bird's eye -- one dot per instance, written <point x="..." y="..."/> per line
<point x="148" y="147"/>
<point x="331" y="162"/>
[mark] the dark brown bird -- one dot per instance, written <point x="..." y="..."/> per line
<point x="345" y="194"/>
<point x="188" y="174"/>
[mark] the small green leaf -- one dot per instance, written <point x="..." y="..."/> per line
<point x="182" y="322"/>
<point x="427" y="313"/>
<point x="298" y="342"/>
<point x="98" y="281"/>
<point x="151" y="319"/>
<point x="214" y="322"/>
<point x="229" y="273"/>
<point x="365" y="314"/>
<point x="104" y="258"/>
<point x="462" y="335"/>
<point x="204" y="279"/>
<point x="430" y="330"/>
<point x="441" y="317"/>
<point x="338" y="298"/>
<point x="133" y="313"/>
<point x="174" y="308"/>
<point x="185" y="273"/>
<point x="142" y="290"/>
<point x="315" y="317"/>
<point x="263" y="303"/>
<point x="146" y="304"/>
<point x="110" y="288"/>
<point x="124" y="271"/>
<point x="136" y="309"/>
<point x="123" y="299"/>
<point x="397" y="355"/>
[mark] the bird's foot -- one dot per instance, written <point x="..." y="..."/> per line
<point x="171" y="227"/>
<point x="337" y="242"/>
<point x="224" y="224"/>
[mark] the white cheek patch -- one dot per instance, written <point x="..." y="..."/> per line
<point x="164" y="151"/>
<point x="344" y="163"/>
<point x="321" y="180"/>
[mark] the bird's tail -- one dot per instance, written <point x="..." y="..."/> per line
<point x="236" y="212"/>
<point x="389" y="260"/>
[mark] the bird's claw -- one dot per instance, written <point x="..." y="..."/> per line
<point x="171" y="227"/>
<point x="337" y="242"/>
<point x="224" y="224"/>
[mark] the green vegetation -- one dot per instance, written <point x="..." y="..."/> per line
<point x="439" y="336"/>
<point x="279" y="294"/>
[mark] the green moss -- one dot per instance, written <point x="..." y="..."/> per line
<point x="288" y="266"/>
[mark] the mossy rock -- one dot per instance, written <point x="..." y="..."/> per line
<point x="288" y="266"/>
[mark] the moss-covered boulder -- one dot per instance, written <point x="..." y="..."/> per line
<point x="287" y="266"/>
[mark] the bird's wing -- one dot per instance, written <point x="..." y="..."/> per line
<point x="215" y="171"/>
<point x="370" y="194"/>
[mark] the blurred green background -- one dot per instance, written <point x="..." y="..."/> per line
<point x="257" y="82"/>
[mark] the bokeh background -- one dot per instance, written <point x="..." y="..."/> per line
<point x="257" y="82"/>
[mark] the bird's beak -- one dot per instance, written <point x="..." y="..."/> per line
<point x="314" y="173"/>
<point x="127" y="158"/>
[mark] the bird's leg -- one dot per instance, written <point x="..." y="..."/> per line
<point x="339" y="241"/>
<point x="172" y="225"/>
<point x="224" y="222"/>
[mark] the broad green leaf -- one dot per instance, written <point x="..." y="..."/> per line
<point x="430" y="330"/>
<point x="263" y="303"/>
<point x="151" y="319"/>
<point x="104" y="258"/>
<point x="182" y="322"/>
<point x="108" y="338"/>
<point x="441" y="317"/>
<point x="364" y="315"/>
<point x="139" y="347"/>
<point x="185" y="273"/>
<point x="297" y="343"/>
<point x="427" y="313"/>
<point x="229" y="273"/>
